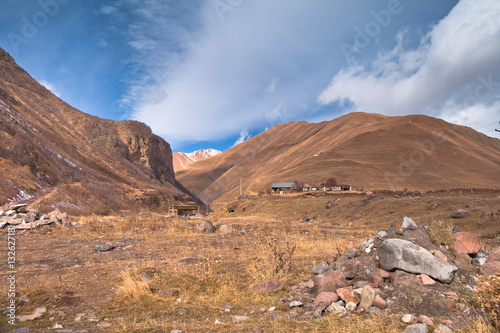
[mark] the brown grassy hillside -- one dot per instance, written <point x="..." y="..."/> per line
<point x="369" y="151"/>
<point x="79" y="162"/>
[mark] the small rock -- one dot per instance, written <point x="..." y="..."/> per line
<point x="417" y="328"/>
<point x="460" y="214"/>
<point x="482" y="254"/>
<point x="225" y="229"/>
<point x="443" y="329"/>
<point x="494" y="255"/>
<point x="455" y="230"/>
<point x="379" y="302"/>
<point x="461" y="306"/>
<point x="384" y="274"/>
<point x="57" y="326"/>
<point x="145" y="276"/>
<point x="337" y="310"/>
<point x="425" y="320"/>
<point x="331" y="282"/>
<point x="175" y="331"/>
<point x="188" y="260"/>
<point x="350" y="246"/>
<point x="426" y="280"/>
<point x="257" y="329"/>
<point x="36" y="314"/>
<point x="205" y="226"/>
<point x="320" y="268"/>
<point x="381" y="234"/>
<point x="182" y="312"/>
<point x="407" y="318"/>
<point x="274" y="317"/>
<point x="466" y="242"/>
<point x="172" y="292"/>
<point x="324" y="299"/>
<point x="351" y="306"/>
<point x="239" y="319"/>
<point x="268" y="286"/>
<point x="438" y="254"/>
<point x="407" y="223"/>
<point x="103" y="248"/>
<point x="490" y="268"/>
<point x="217" y="322"/>
<point x="21" y="330"/>
<point x="24" y="299"/>
<point x="452" y="295"/>
<point x="329" y="205"/>
<point x="295" y="304"/>
<point x="470" y="204"/>
<point x="374" y="310"/>
<point x="309" y="284"/>
<point x="367" y="296"/>
<point x="351" y="254"/>
<point x="479" y="261"/>
<point x="352" y="297"/>
<point x="272" y="308"/>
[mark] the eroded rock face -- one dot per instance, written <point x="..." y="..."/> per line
<point x="404" y="255"/>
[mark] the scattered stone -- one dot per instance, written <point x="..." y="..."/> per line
<point x="320" y="268"/>
<point x="460" y="214"/>
<point x="466" y="242"/>
<point x="268" y="286"/>
<point x="57" y="326"/>
<point x="367" y="296"/>
<point x="351" y="254"/>
<point x="438" y="254"/>
<point x="417" y="328"/>
<point x="341" y="292"/>
<point x="443" y="329"/>
<point x="451" y="304"/>
<point x="461" y="306"/>
<point x="175" y="331"/>
<point x="309" y="284"/>
<point x="352" y="297"/>
<point x="324" y="299"/>
<point x="295" y="304"/>
<point x="482" y="254"/>
<point x="331" y="282"/>
<point x="407" y="223"/>
<point x="36" y="314"/>
<point x="24" y="299"/>
<point x="350" y="246"/>
<point x="318" y="313"/>
<point x="145" y="276"/>
<point x="455" y="230"/>
<point x="426" y="280"/>
<point x="452" y="294"/>
<point x="274" y="317"/>
<point x="381" y="234"/>
<point x="494" y="255"/>
<point x="378" y="280"/>
<point x="479" y="261"/>
<point x="205" y="226"/>
<point x="379" y="302"/>
<point x="331" y="257"/>
<point x="239" y="319"/>
<point x="425" y="320"/>
<point x="407" y="318"/>
<point x="272" y="308"/>
<point x="490" y="268"/>
<point x="103" y="248"/>
<point x="329" y="205"/>
<point x="188" y="260"/>
<point x="384" y="274"/>
<point x="257" y="329"/>
<point x="470" y="204"/>
<point x="374" y="310"/>
<point x="172" y="292"/>
<point x="463" y="261"/>
<point x="433" y="205"/>
<point x="337" y="310"/>
<point x="402" y="254"/>
<point x="225" y="229"/>
<point x="182" y="312"/>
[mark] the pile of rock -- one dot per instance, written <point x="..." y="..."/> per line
<point x="19" y="217"/>
<point x="401" y="271"/>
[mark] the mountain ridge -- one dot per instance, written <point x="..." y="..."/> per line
<point x="182" y="160"/>
<point x="365" y="150"/>
<point x="94" y="162"/>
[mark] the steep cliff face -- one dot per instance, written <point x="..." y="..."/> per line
<point x="49" y="148"/>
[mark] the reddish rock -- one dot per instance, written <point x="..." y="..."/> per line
<point x="452" y="294"/>
<point x="463" y="261"/>
<point x="426" y="280"/>
<point x="438" y="254"/>
<point x="399" y="232"/>
<point x="350" y="247"/>
<point x="324" y="299"/>
<point x="332" y="281"/>
<point x="352" y="296"/>
<point x="342" y="292"/>
<point x="425" y="320"/>
<point x="377" y="279"/>
<point x="331" y="257"/>
<point x="384" y="274"/>
<point x="268" y="286"/>
<point x="466" y="242"/>
<point x="494" y="255"/>
<point x="309" y="284"/>
<point x="490" y="268"/>
<point x="401" y="278"/>
<point x="451" y="304"/>
<point x="379" y="302"/>
<point x="447" y="321"/>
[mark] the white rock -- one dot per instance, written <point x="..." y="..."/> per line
<point x="407" y="222"/>
<point x="295" y="303"/>
<point x="351" y="306"/>
<point x="239" y="319"/>
<point x="407" y="318"/>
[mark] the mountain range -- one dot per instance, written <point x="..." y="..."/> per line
<point x="183" y="160"/>
<point x="363" y="150"/>
<point x="60" y="157"/>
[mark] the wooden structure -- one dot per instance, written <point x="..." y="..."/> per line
<point x="184" y="209"/>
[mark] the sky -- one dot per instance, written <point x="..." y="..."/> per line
<point x="213" y="73"/>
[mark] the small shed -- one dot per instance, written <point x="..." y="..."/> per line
<point x="184" y="209"/>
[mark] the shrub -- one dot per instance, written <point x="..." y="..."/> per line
<point x="104" y="210"/>
<point x="487" y="297"/>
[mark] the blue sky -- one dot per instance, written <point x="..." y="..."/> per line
<point x="209" y="74"/>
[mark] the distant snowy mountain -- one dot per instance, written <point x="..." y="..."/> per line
<point x="184" y="160"/>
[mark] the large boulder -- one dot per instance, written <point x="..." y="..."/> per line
<point x="466" y="242"/>
<point x="205" y="226"/>
<point x="268" y="286"/>
<point x="404" y="255"/>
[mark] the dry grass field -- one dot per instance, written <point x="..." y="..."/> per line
<point x="104" y="292"/>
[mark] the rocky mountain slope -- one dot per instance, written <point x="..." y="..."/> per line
<point x="183" y="160"/>
<point x="62" y="157"/>
<point x="368" y="151"/>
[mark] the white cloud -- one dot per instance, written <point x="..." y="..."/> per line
<point x="272" y="86"/>
<point x="244" y="135"/>
<point x="50" y="87"/>
<point x="452" y="74"/>
<point x="108" y="10"/>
